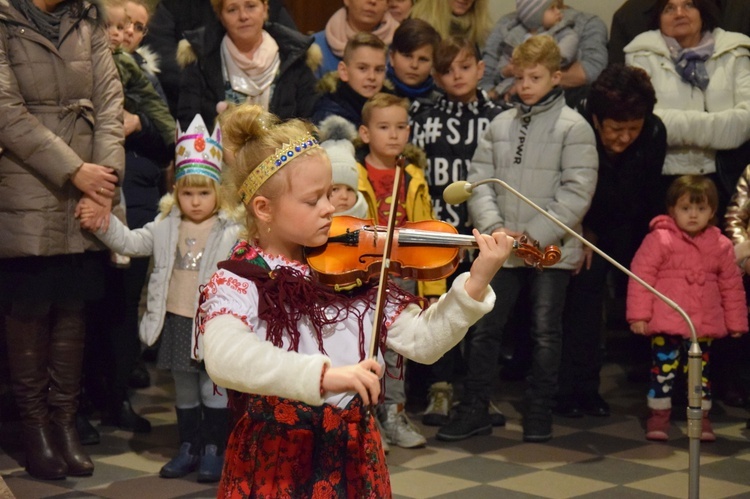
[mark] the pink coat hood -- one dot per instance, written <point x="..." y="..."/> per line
<point x="699" y="273"/>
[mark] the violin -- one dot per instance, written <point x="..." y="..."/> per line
<point x="426" y="250"/>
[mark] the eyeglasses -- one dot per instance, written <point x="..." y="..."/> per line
<point x="140" y="28"/>
<point x="671" y="9"/>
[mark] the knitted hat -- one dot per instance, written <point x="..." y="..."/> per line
<point x="343" y="163"/>
<point x="336" y="134"/>
<point x="531" y="12"/>
<point x="197" y="152"/>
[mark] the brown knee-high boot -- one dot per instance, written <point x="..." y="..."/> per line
<point x="66" y="362"/>
<point x="28" y="339"/>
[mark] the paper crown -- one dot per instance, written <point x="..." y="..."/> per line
<point x="197" y="152"/>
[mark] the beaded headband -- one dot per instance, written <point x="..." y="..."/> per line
<point x="274" y="163"/>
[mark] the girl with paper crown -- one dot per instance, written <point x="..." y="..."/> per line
<point x="195" y="229"/>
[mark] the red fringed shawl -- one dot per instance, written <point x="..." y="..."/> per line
<point x="286" y="295"/>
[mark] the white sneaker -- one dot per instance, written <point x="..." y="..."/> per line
<point x="383" y="442"/>
<point x="441" y="398"/>
<point x="399" y="430"/>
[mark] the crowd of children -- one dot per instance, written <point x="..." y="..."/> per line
<point x="271" y="368"/>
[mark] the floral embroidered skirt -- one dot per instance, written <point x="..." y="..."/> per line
<point x="285" y="448"/>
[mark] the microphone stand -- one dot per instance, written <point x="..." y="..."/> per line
<point x="458" y="192"/>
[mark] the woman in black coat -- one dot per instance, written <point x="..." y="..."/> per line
<point x="265" y="63"/>
<point x="631" y="144"/>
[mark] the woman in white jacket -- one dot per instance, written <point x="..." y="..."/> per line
<point x="701" y="75"/>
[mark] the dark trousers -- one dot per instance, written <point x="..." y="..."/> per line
<point x="547" y="293"/>
<point x="113" y="345"/>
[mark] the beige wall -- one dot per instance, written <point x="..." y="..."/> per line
<point x="602" y="8"/>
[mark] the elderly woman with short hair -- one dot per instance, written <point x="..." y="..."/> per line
<point x="701" y="75"/>
<point x="631" y="143"/>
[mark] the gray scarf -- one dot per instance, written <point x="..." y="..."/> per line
<point x="690" y="63"/>
<point x="47" y="23"/>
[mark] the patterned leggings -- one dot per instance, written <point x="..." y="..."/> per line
<point x="666" y="351"/>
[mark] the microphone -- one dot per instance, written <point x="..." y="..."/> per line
<point x="460" y="191"/>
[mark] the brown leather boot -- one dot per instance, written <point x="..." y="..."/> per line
<point x="27" y="358"/>
<point x="66" y="362"/>
<point x="657" y="425"/>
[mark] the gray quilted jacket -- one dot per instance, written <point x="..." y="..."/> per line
<point x="548" y="153"/>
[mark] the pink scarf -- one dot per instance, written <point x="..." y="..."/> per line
<point x="339" y="31"/>
<point x="251" y="77"/>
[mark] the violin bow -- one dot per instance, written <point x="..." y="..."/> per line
<point x="383" y="280"/>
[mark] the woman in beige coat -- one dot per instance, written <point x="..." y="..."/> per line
<point x="60" y="146"/>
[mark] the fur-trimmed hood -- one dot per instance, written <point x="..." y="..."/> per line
<point x="202" y="81"/>
<point x="151" y="59"/>
<point x="204" y="40"/>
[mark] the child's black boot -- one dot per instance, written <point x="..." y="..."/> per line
<point x="186" y="461"/>
<point x="215" y="434"/>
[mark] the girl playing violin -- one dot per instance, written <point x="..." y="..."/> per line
<point x="292" y="350"/>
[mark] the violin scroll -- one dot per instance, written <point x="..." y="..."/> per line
<point x="534" y="257"/>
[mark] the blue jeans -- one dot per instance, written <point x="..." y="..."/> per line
<point x="547" y="294"/>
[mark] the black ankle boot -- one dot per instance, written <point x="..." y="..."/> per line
<point x="139" y="376"/>
<point x="125" y="418"/>
<point x="468" y="419"/>
<point x="86" y="431"/>
<point x="537" y="422"/>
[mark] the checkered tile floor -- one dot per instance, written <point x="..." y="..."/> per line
<point x="588" y="457"/>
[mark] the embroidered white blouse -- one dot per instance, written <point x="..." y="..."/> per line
<point x="237" y="355"/>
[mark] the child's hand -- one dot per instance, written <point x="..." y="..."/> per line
<point x="86" y="211"/>
<point x="493" y="251"/>
<point x="508" y="71"/>
<point x="639" y="327"/>
<point x="363" y="378"/>
<point x="131" y="123"/>
<point x="93" y="215"/>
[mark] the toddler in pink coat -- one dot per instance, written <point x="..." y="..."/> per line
<point x="689" y="260"/>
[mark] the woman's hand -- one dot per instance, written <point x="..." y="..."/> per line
<point x="585" y="262"/>
<point x="588" y="253"/>
<point x="493" y="252"/>
<point x="639" y="327"/>
<point x="97" y="182"/>
<point x="363" y="378"/>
